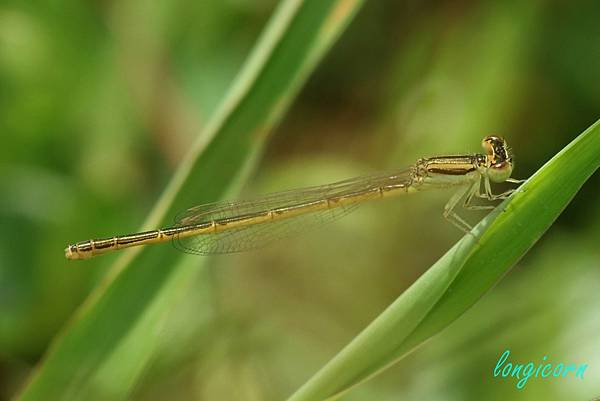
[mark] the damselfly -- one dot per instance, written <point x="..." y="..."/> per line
<point x="225" y="227"/>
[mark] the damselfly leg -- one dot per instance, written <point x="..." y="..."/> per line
<point x="474" y="191"/>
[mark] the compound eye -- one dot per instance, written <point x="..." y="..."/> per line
<point x="491" y="143"/>
<point x="493" y="139"/>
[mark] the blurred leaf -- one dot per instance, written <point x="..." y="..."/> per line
<point x="106" y="347"/>
<point x="463" y="274"/>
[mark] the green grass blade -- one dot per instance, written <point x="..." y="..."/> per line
<point x="463" y="274"/>
<point x="106" y="346"/>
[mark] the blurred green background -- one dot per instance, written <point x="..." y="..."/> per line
<point x="100" y="100"/>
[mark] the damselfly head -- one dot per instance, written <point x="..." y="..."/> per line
<point x="499" y="161"/>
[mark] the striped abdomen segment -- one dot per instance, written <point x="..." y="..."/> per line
<point x="239" y="219"/>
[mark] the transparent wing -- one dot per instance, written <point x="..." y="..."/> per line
<point x="259" y="235"/>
